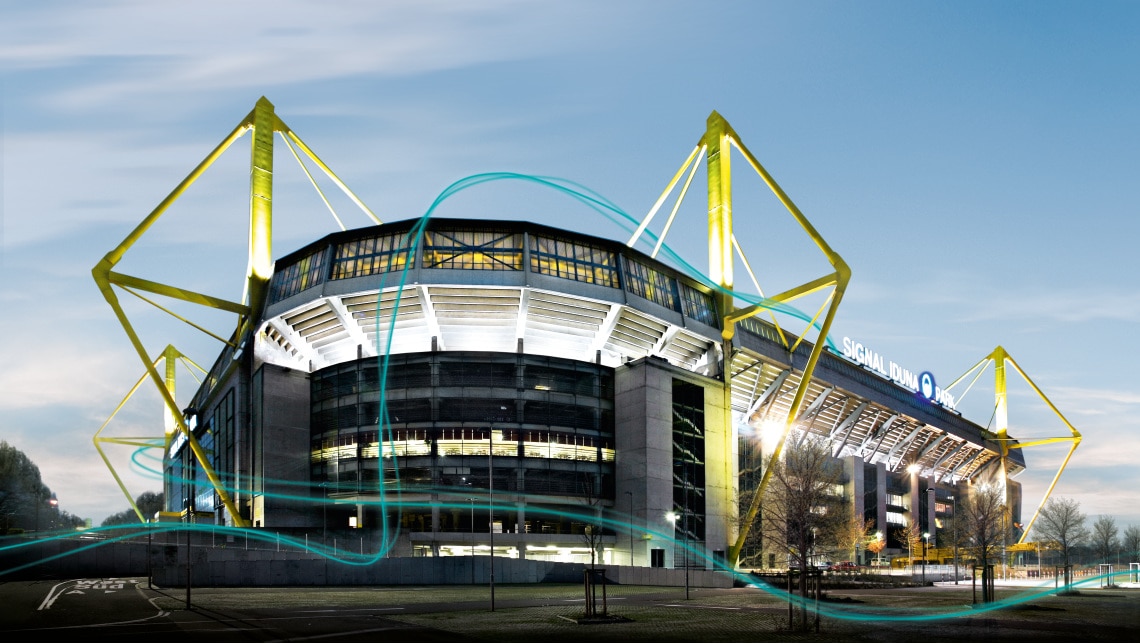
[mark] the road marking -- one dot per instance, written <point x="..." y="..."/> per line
<point x="106" y="585"/>
<point x="53" y="595"/>
<point x="350" y="610"/>
<point x="699" y="606"/>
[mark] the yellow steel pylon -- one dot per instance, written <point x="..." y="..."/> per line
<point x="1000" y="358"/>
<point x="170" y="356"/>
<point x="263" y="123"/>
<point x="716" y="144"/>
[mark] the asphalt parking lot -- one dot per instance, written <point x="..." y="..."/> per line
<point x="549" y="612"/>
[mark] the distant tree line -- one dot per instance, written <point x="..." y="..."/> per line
<point x="26" y="504"/>
<point x="148" y="503"/>
<point x="1066" y="538"/>
<point x="804" y="520"/>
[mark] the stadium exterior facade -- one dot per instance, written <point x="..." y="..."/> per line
<point x="567" y="381"/>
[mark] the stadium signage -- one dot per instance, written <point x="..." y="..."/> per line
<point x="176" y="443"/>
<point x="923" y="383"/>
<point x="179" y="438"/>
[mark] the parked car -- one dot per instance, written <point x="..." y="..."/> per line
<point x="845" y="565"/>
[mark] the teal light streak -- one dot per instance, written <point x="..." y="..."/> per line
<point x="582" y="194"/>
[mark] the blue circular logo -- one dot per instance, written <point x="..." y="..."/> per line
<point x="926" y="385"/>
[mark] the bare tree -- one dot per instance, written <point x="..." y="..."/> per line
<point x="955" y="536"/>
<point x="592" y="533"/>
<point x="1131" y="543"/>
<point x="801" y="514"/>
<point x="1061" y="524"/>
<point x="855" y="530"/>
<point x="752" y="553"/>
<point x="876" y="545"/>
<point x="984" y="522"/>
<point x="1103" y="538"/>
<point x="911" y="536"/>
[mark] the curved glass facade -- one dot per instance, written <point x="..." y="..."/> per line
<point x="549" y="422"/>
<point x="493" y="247"/>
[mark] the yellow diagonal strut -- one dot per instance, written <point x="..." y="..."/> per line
<point x="718" y="140"/>
<point x="105" y="278"/>
<point x="717" y="143"/>
<point x="1001" y="359"/>
<point x="264" y="124"/>
<point x="169" y="355"/>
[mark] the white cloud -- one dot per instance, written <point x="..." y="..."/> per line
<point x="49" y="374"/>
<point x="1039" y="302"/>
<point x="215" y="45"/>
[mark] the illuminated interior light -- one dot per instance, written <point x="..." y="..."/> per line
<point x="770" y="432"/>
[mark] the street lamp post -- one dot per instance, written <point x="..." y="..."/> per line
<point x="472" y="500"/>
<point x="491" y="506"/>
<point x="925" y="540"/>
<point x="630" y="527"/>
<point x="54" y="503"/>
<point x="685" y="534"/>
<point x="678" y="519"/>
<point x="491" y="496"/>
<point x="189" y="516"/>
<point x="325" y="513"/>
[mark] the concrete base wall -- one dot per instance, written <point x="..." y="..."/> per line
<point x="232" y="567"/>
<point x="71" y="559"/>
<point x="236" y="568"/>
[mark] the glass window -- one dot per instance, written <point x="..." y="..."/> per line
<point x="573" y="260"/>
<point x="650" y="284"/>
<point x="542" y="378"/>
<point x="476" y="410"/>
<point x="303" y="274"/>
<point x="473" y="249"/>
<point x="476" y="374"/>
<point x="560" y="414"/>
<point x="370" y="256"/>
<point x="698" y="305"/>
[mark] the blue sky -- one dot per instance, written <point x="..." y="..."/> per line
<point x="975" y="163"/>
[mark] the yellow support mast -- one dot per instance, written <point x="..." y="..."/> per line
<point x="263" y="122"/>
<point x="1001" y="360"/>
<point x="837" y="280"/>
<point x="105" y="278"/>
<point x="716" y="145"/>
<point x="169" y="357"/>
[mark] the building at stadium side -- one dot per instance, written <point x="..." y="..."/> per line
<point x="565" y="380"/>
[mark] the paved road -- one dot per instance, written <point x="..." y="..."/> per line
<point x="126" y="610"/>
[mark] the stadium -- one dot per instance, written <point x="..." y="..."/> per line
<point x="469" y="386"/>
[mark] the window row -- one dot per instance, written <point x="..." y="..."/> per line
<point x="365" y="378"/>
<point x="492" y="250"/>
<point x="471" y="410"/>
<point x="465" y="442"/>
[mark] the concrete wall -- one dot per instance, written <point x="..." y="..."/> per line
<point x="643" y="416"/>
<point x="720" y="472"/>
<point x="236" y="567"/>
<point x="239" y="568"/>
<point x="285" y="448"/>
<point x="643" y="426"/>
<point x="71" y="559"/>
